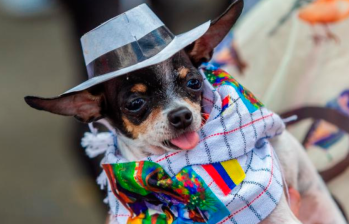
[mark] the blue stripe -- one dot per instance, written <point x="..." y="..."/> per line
<point x="220" y="169"/>
<point x="225" y="107"/>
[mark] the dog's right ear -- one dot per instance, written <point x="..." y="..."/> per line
<point x="83" y="105"/>
<point x="202" y="49"/>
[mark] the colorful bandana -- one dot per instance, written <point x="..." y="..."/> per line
<point x="232" y="176"/>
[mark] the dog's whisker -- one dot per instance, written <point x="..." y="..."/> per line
<point x="206" y="105"/>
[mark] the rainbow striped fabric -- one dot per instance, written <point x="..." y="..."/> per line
<point x="218" y="77"/>
<point x="226" y="102"/>
<point x="227" y="175"/>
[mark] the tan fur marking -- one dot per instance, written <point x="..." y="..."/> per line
<point x="139" y="88"/>
<point x="136" y="130"/>
<point x="196" y="106"/>
<point x="183" y="72"/>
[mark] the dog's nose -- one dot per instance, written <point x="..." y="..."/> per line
<point x="180" y="118"/>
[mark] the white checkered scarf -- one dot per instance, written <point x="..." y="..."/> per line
<point x="234" y="134"/>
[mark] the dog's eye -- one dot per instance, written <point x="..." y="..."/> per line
<point x="135" y="105"/>
<point x="194" y="84"/>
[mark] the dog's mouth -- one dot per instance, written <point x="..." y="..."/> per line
<point x="185" y="141"/>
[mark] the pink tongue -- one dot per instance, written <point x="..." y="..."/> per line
<point x="186" y="141"/>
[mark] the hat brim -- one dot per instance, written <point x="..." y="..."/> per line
<point x="178" y="43"/>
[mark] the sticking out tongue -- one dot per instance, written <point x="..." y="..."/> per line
<point x="186" y="141"/>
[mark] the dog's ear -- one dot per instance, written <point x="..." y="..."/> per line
<point x="83" y="105"/>
<point x="202" y="49"/>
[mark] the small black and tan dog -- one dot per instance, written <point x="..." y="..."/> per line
<point x="157" y="109"/>
<point x="154" y="106"/>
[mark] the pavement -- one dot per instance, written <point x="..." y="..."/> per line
<point x="287" y="70"/>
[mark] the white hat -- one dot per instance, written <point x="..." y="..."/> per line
<point x="131" y="41"/>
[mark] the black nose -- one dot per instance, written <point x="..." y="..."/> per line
<point x="180" y="118"/>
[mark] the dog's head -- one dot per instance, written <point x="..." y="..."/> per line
<point x="157" y="108"/>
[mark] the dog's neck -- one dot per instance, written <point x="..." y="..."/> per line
<point x="133" y="152"/>
<point x="129" y="151"/>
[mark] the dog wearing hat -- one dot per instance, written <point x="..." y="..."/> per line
<point x="191" y="145"/>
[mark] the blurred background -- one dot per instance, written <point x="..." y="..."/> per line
<point x="294" y="55"/>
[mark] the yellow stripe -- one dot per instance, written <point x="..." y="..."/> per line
<point x="234" y="170"/>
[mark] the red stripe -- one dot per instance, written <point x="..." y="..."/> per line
<point x="108" y="169"/>
<point x="226" y="101"/>
<point x="217" y="178"/>
<point x="138" y="177"/>
<point x="204" y="119"/>
<point x="236" y="129"/>
<point x="154" y="218"/>
<point x="208" y="100"/>
<point x="167" y="157"/>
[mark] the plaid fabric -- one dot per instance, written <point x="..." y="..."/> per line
<point x="238" y="127"/>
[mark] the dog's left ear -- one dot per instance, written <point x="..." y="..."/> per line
<point x="202" y="49"/>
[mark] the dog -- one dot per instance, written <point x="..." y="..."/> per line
<point x="158" y="110"/>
